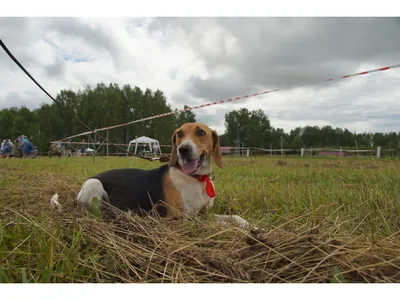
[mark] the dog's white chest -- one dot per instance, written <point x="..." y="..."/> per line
<point x="192" y="191"/>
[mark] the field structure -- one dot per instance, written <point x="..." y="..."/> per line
<point x="321" y="219"/>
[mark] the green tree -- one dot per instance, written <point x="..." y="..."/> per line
<point x="19" y="126"/>
<point x="252" y="127"/>
<point x="297" y="142"/>
<point x="184" y="117"/>
<point x="279" y="138"/>
<point x="6" y="122"/>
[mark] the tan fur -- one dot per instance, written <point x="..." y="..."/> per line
<point x="208" y="143"/>
<point x="174" y="153"/>
<point x="217" y="151"/>
<point x="172" y="197"/>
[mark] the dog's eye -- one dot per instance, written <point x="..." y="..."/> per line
<point x="179" y="134"/>
<point x="200" y="132"/>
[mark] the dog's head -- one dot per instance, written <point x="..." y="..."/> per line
<point x="193" y="144"/>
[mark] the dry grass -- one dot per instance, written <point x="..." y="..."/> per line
<point x="342" y="227"/>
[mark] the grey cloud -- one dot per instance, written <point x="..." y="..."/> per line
<point x="56" y="69"/>
<point x="28" y="99"/>
<point x="31" y="30"/>
<point x="75" y="28"/>
<point x="180" y="99"/>
<point x="173" y="73"/>
<point x="215" y="90"/>
<point x="215" y="117"/>
<point x="101" y="38"/>
<point x="278" y="52"/>
<point x="340" y="105"/>
<point x="12" y="32"/>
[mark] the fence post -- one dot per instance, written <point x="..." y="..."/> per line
<point x="248" y="152"/>
<point x="302" y="152"/>
<point x="378" y="152"/>
<point x="107" y="143"/>
<point x="94" y="148"/>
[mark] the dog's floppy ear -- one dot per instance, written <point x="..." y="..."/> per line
<point x="174" y="153"/>
<point x="216" y="150"/>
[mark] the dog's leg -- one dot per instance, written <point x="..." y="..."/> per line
<point x="223" y="219"/>
<point x="91" y="188"/>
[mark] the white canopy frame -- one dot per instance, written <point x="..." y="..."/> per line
<point x="146" y="141"/>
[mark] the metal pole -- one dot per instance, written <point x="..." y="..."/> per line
<point x="237" y="143"/>
<point x="107" y="143"/>
<point x="94" y="148"/>
<point x="357" y="148"/>
<point x="136" y="145"/>
<point x="88" y="139"/>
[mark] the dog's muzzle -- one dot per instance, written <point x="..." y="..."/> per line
<point x="185" y="152"/>
<point x="190" y="164"/>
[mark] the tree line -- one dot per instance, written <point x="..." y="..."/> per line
<point x="253" y="129"/>
<point x="97" y="107"/>
<point x="103" y="106"/>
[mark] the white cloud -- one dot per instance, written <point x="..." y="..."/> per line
<point x="204" y="60"/>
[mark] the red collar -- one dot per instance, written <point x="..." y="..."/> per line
<point x="209" y="187"/>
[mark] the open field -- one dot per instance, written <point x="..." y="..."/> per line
<point x="323" y="220"/>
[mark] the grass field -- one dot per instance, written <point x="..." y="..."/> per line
<point x="322" y="220"/>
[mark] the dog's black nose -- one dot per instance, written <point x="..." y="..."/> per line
<point x="184" y="151"/>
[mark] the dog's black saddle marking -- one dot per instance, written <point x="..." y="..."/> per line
<point x="135" y="189"/>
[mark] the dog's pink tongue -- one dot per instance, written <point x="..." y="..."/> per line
<point x="189" y="166"/>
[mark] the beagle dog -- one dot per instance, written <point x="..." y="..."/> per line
<point x="184" y="185"/>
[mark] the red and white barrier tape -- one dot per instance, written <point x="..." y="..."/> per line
<point x="89" y="143"/>
<point x="99" y="144"/>
<point x="232" y="99"/>
<point x="170" y="146"/>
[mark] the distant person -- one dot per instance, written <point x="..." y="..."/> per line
<point x="7" y="148"/>
<point x="69" y="148"/>
<point x="16" y="151"/>
<point x="35" y="151"/>
<point x="27" y="148"/>
<point x="55" y="149"/>
<point x="23" y="140"/>
<point x="155" y="149"/>
<point x="64" y="149"/>
<point x="2" y="146"/>
<point x="83" y="147"/>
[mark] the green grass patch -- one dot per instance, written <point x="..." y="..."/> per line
<point x="322" y="220"/>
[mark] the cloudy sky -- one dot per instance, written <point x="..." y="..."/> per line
<point x="200" y="60"/>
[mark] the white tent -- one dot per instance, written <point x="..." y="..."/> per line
<point x="146" y="141"/>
